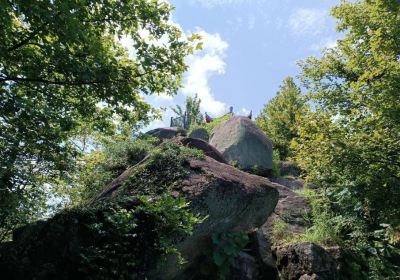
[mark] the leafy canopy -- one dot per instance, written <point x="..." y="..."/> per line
<point x="190" y="115"/>
<point x="63" y="70"/>
<point x="350" y="144"/>
<point x="278" y="118"/>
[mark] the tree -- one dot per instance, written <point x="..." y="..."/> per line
<point x="63" y="68"/>
<point x="191" y="115"/>
<point x="350" y="144"/>
<point x="278" y="119"/>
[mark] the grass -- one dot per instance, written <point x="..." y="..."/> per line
<point x="323" y="231"/>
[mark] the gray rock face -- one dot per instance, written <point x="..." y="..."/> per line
<point x="244" y="268"/>
<point x="305" y="261"/>
<point x="166" y="132"/>
<point x="291" y="183"/>
<point x="234" y="201"/>
<point x="291" y="209"/>
<point x="200" y="133"/>
<point x="289" y="168"/>
<point x="240" y="140"/>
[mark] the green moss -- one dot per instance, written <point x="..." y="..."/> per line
<point x="210" y="126"/>
<point x="141" y="236"/>
<point x="123" y="237"/>
<point x="280" y="232"/>
<point x="166" y="166"/>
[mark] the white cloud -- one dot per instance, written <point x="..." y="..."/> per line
<point x="308" y="21"/>
<point x="202" y="65"/>
<point x="214" y="3"/>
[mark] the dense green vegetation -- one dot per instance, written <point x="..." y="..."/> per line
<point x="349" y="145"/>
<point x="71" y="107"/>
<point x="142" y="236"/>
<point x="190" y="115"/>
<point x="64" y="75"/>
<point x="279" y="117"/>
<point x="124" y="236"/>
<point x="347" y="139"/>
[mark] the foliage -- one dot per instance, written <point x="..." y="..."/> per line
<point x="64" y="72"/>
<point x="227" y="246"/>
<point x="280" y="232"/>
<point x="350" y="145"/>
<point x="275" y="163"/>
<point x="99" y="167"/>
<point x="278" y="118"/>
<point x="191" y="116"/>
<point x="168" y="218"/>
<point x="122" y="236"/>
<point x="130" y="242"/>
<point x="324" y="227"/>
<point x="166" y="167"/>
<point x="210" y="126"/>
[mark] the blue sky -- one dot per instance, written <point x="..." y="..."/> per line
<point x="250" y="46"/>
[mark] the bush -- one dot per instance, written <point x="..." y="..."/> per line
<point x="210" y="126"/>
<point x="123" y="236"/>
<point x="325" y="229"/>
<point x="129" y="243"/>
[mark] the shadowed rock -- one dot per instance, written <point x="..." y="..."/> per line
<point x="289" y="168"/>
<point x="200" y="133"/>
<point x="166" y="133"/>
<point x="290" y="210"/>
<point x="305" y="261"/>
<point x="231" y="199"/>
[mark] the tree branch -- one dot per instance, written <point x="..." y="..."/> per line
<point x="68" y="83"/>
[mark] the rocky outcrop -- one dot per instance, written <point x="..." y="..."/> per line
<point x="290" y="213"/>
<point x="305" y="261"/>
<point x="242" y="142"/>
<point x="166" y="133"/>
<point x="289" y="168"/>
<point x="231" y="199"/>
<point x="291" y="183"/>
<point x="200" y="133"/>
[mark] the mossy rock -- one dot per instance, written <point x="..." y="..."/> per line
<point x="135" y="227"/>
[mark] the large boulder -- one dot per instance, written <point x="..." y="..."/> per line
<point x="163" y="133"/>
<point x="200" y="133"/>
<point x="289" y="182"/>
<point x="241" y="141"/>
<point x="231" y="199"/>
<point x="305" y="261"/>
